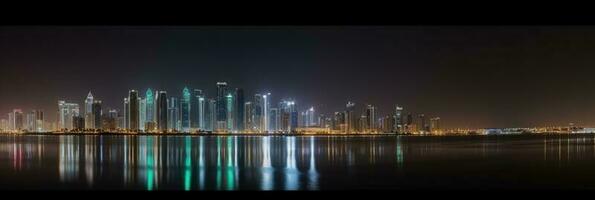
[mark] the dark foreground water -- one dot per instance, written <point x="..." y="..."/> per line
<point x="296" y="163"/>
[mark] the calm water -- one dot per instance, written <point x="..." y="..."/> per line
<point x="296" y="163"/>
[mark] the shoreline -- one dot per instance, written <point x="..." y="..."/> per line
<point x="282" y="134"/>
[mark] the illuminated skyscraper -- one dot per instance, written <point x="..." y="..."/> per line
<point x="221" y="107"/>
<point x="142" y="113"/>
<point x="310" y="117"/>
<point x="39" y="121"/>
<point x="96" y="111"/>
<point x="258" y="109"/>
<point x="185" y="108"/>
<point x="10" y="125"/>
<point x="435" y="125"/>
<point x="265" y="112"/>
<point x="126" y="114"/>
<point x="30" y="121"/>
<point x="371" y="118"/>
<point x="248" y="116"/>
<point x="350" y="118"/>
<point x="422" y="123"/>
<point x="410" y="126"/>
<point x="398" y="119"/>
<point x="173" y="114"/>
<point x="89" y="111"/>
<point x="150" y="110"/>
<point x="161" y="117"/>
<point x="289" y="116"/>
<point x="196" y="112"/>
<point x="229" y="103"/>
<point x="133" y="112"/>
<point x="274" y="119"/>
<point x="211" y="115"/>
<point x="239" y="108"/>
<point x="202" y="112"/>
<point x="67" y="111"/>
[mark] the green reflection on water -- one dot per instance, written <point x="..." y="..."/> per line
<point x="188" y="173"/>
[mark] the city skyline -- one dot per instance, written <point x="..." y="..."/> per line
<point x="471" y="77"/>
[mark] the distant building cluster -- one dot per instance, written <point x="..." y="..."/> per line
<point x="229" y="110"/>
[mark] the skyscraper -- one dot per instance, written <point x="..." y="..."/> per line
<point x="435" y="125"/>
<point x="211" y="115"/>
<point x="221" y="107"/>
<point x="239" y="104"/>
<point x="162" y="123"/>
<point x="142" y="113"/>
<point x="185" y="108"/>
<point x="229" y="103"/>
<point x="197" y="110"/>
<point x="422" y="123"/>
<point x="265" y="112"/>
<point x="96" y="111"/>
<point x="30" y="121"/>
<point x="371" y="117"/>
<point x="89" y="111"/>
<point x="133" y="112"/>
<point x="39" y="121"/>
<point x="248" y="116"/>
<point x="150" y="110"/>
<point x="173" y="114"/>
<point x="398" y="119"/>
<point x="126" y="114"/>
<point x="274" y="120"/>
<point x="202" y="112"/>
<point x="310" y="117"/>
<point x="258" y="109"/>
<point x="289" y="116"/>
<point x="66" y="112"/>
<point x="350" y="118"/>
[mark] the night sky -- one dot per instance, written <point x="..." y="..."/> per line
<point x="475" y="76"/>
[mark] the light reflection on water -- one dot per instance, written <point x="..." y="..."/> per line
<point x="294" y="162"/>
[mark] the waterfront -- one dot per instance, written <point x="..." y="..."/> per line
<point x="296" y="162"/>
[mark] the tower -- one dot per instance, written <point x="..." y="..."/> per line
<point x="161" y="116"/>
<point x="185" y="108"/>
<point x="133" y="112"/>
<point x="89" y="111"/>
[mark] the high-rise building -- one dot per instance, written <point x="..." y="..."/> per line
<point x="266" y="98"/>
<point x="350" y="118"/>
<point x="289" y="116"/>
<point x="239" y="109"/>
<point x="10" y="121"/>
<point x="108" y="122"/>
<point x="221" y="107"/>
<point x="78" y="123"/>
<point x="435" y="125"/>
<point x="211" y="115"/>
<point x="422" y="123"/>
<point x="322" y="122"/>
<point x="258" y="109"/>
<point x="229" y="103"/>
<point x="150" y="110"/>
<point x="126" y="114"/>
<point x="30" y="121"/>
<point x="96" y="112"/>
<point x="202" y="112"/>
<point x="274" y="120"/>
<point x="371" y="117"/>
<point x="410" y="126"/>
<point x="162" y="111"/>
<point x="364" y="123"/>
<point x="311" y="118"/>
<point x="3" y="124"/>
<point x="248" y="116"/>
<point x="133" y="113"/>
<point x="173" y="114"/>
<point x="399" y="127"/>
<point x="185" y="108"/>
<point x="89" y="111"/>
<point x="142" y="113"/>
<point x="39" y="121"/>
<point x="196" y="112"/>
<point x="66" y="113"/>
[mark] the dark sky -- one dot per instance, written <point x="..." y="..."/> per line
<point x="476" y="76"/>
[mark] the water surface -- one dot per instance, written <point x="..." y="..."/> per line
<point x="296" y="162"/>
